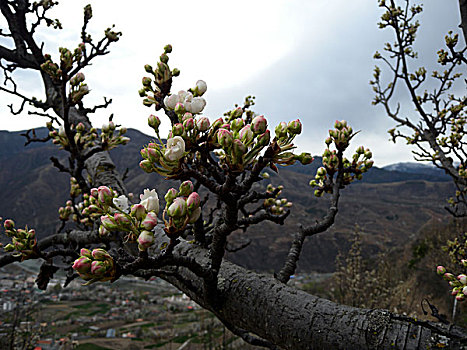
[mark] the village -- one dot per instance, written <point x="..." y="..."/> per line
<point x="128" y="314"/>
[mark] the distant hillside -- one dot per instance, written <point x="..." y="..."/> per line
<point x="417" y="168"/>
<point x="388" y="206"/>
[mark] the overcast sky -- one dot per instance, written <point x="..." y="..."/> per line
<point x="307" y="59"/>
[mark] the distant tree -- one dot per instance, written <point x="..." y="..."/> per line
<point x="225" y="158"/>
<point x="437" y="127"/>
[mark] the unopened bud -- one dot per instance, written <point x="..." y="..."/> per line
<point x="295" y="127"/>
<point x="177" y="208"/>
<point x="100" y="254"/>
<point x="259" y="124"/>
<point x="186" y="188"/>
<point x="138" y="211"/>
<point x="170" y="196"/>
<point x="145" y="240"/>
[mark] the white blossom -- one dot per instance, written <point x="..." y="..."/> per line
<point x="121" y="202"/>
<point x="197" y="105"/>
<point x="175" y="148"/>
<point x="171" y="101"/>
<point x="150" y="200"/>
<point x="201" y="87"/>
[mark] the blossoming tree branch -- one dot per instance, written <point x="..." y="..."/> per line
<point x="107" y="233"/>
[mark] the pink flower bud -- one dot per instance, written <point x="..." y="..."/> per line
<point x="441" y="270"/>
<point x="193" y="201"/>
<point x="224" y="138"/>
<point x="145" y="240"/>
<point x="85" y="252"/>
<point x="259" y="124"/>
<point x="179" y="108"/>
<point x="105" y="195"/>
<point x="150" y="221"/>
<point x="295" y="127"/>
<point x="186" y="188"/>
<point x="186" y="116"/>
<point x="281" y="130"/>
<point x="100" y="254"/>
<point x="98" y="268"/>
<point x="138" y="211"/>
<point x="109" y="223"/>
<point x="103" y="231"/>
<point x="245" y="134"/>
<point x="94" y="192"/>
<point x="9" y="224"/>
<point x="146" y="165"/>
<point x="146" y="81"/>
<point x="170" y="196"/>
<point x="460" y="297"/>
<point x="449" y="277"/>
<point x="82" y="264"/>
<point x="462" y="279"/>
<point x="178" y="129"/>
<point x="31" y="234"/>
<point x="154" y="122"/>
<point x="202" y="124"/>
<point x="177" y="208"/>
<point x="189" y="124"/>
<point x="122" y="220"/>
<point x="263" y="139"/>
<point x="217" y="124"/>
<point x="80" y="127"/>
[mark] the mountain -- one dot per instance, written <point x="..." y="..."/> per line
<point x="388" y="206"/>
<point x="389" y="173"/>
<point x="417" y="168"/>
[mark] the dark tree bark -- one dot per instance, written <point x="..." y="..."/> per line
<point x="293" y="319"/>
<point x="463" y="11"/>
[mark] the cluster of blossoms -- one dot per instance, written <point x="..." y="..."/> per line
<point x="161" y="77"/>
<point x="116" y="214"/>
<point x="275" y="204"/>
<point x="78" y="88"/>
<point x="361" y="160"/>
<point x="458" y="284"/>
<point x="96" y="265"/>
<point x="185" y="101"/>
<point x="83" y="138"/>
<point x="65" y="212"/>
<point x="182" y="207"/>
<point x="75" y="189"/>
<point x="285" y="134"/>
<point x="163" y="158"/>
<point x="110" y="139"/>
<point x="23" y="241"/>
<point x="237" y="142"/>
<point x="67" y="59"/>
